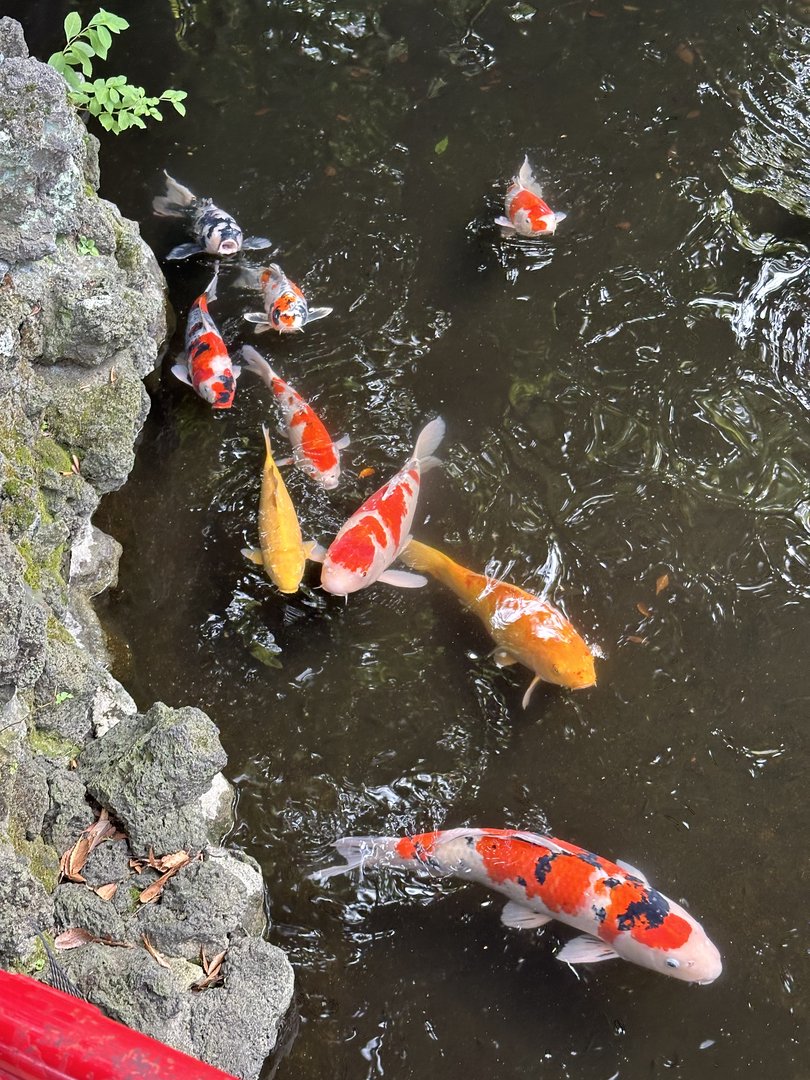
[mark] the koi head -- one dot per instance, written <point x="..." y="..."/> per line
<point x="536" y="220"/>
<point x="219" y="392"/>
<point x="543" y="639"/>
<point x="289" y="313"/>
<point x="675" y="945"/>
<point x="225" y="239"/>
<point x="339" y="580"/>
<point x="328" y="479"/>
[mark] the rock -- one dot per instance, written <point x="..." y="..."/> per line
<point x="24" y="908"/>
<point x="204" y="905"/>
<point x="148" y="765"/>
<point x="130" y="986"/>
<point x="94" y="561"/>
<point x="22" y="625"/>
<point x="235" y="1026"/>
<point x="201" y="822"/>
<point x="29" y="797"/>
<point x="108" y="863"/>
<point x="77" y="906"/>
<point x="69" y="812"/>
<point x="12" y="42"/>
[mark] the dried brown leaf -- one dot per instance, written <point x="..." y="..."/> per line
<point x="172" y="861"/>
<point x="72" y="939"/>
<point x="330" y="170"/>
<point x="594" y="14"/>
<point x="661" y="583"/>
<point x="636" y="639"/>
<point x="150" y="948"/>
<point x="153" y="891"/>
<point x="107" y="892"/>
<point x="625" y="226"/>
<point x="686" y="53"/>
<point x="645" y="611"/>
<point x="212" y="969"/>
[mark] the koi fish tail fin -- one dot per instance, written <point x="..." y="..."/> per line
<point x="526" y="178"/>
<point x="359" y="852"/>
<point x="268" y="448"/>
<point x="429" y="438"/>
<point x="256" y="363"/>
<point x="421" y="557"/>
<point x="177" y="201"/>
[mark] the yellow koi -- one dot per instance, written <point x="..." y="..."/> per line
<point x="526" y="629"/>
<point x="281" y="550"/>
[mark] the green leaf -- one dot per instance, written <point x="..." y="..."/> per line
<point x="94" y="106"/>
<point x="124" y="120"/>
<point x="113" y="22"/>
<point x="97" y="45"/>
<point x="73" y="25"/>
<point x="58" y="62"/>
<point x="115" y="97"/>
<point x="117" y="80"/>
<point x="442" y="145"/>
<point x="156" y="114"/>
<point x="65" y="695"/>
<point x="137" y="120"/>
<point x="107" y="121"/>
<point x="179" y="107"/>
<point x="104" y="36"/>
<point x="73" y="79"/>
<point x="83" y="49"/>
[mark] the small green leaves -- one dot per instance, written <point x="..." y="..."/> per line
<point x="73" y="25"/>
<point x="65" y="695"/>
<point x="117" y="104"/>
<point x="442" y="145"/>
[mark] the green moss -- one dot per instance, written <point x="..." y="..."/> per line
<point x="35" y="962"/>
<point x="42" y="859"/>
<point x="48" y="454"/>
<point x="56" y="631"/>
<point x="43" y="742"/>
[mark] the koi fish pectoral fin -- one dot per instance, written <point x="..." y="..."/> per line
<point x="502" y="657"/>
<point x="318" y="313"/>
<point x="255" y="243"/>
<point x="402" y="579"/>
<point x="285" y="461"/>
<point x="504" y="222"/>
<point x="632" y="871"/>
<point x="314" y="551"/>
<point x="254" y="554"/>
<point x="560" y="216"/>
<point x="180" y="371"/>
<point x="256" y="317"/>
<point x="522" y="918"/>
<point x="236" y="370"/>
<point x="586" y="950"/>
<point x="184" y="251"/>
<point x="342" y="442"/>
<point x="527" y="696"/>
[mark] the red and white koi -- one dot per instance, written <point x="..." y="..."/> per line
<point x="544" y="878"/>
<point x="207" y="366"/>
<point x="314" y="452"/>
<point x="286" y="307"/>
<point x="375" y="534"/>
<point x="527" y="213"/>
<point x="215" y="232"/>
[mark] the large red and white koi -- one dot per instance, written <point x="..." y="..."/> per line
<point x="207" y="366"/>
<point x="314" y="452"/>
<point x="286" y="307"/>
<point x="375" y="534"/>
<point x="544" y="878"/>
<point x="527" y="213"/>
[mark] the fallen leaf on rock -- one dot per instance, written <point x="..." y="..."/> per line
<point x="212" y="969"/>
<point x="178" y="860"/>
<point x="76" y="936"/>
<point x="150" y="948"/>
<point x="107" y="892"/>
<point x="73" y="860"/>
<point x="661" y="583"/>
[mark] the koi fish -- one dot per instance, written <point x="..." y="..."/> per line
<point x="286" y="308"/>
<point x="526" y="629"/>
<point x="314" y="452"/>
<point x="527" y="214"/>
<point x="214" y="231"/>
<point x="544" y="878"/>
<point x="281" y="550"/>
<point x="206" y="364"/>
<point x="375" y="534"/>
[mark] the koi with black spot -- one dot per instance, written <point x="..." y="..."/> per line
<point x="543" y="878"/>
<point x="206" y="365"/>
<point x="215" y="232"/>
<point x="286" y="307"/>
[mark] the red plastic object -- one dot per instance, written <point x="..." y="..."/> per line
<point x="48" y="1035"/>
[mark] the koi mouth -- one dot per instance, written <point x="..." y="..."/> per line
<point x="228" y="247"/>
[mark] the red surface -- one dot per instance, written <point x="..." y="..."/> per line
<point x="48" y="1035"/>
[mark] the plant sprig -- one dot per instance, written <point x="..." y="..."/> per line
<point x="114" y="101"/>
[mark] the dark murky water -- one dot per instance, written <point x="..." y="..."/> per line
<point x="627" y="400"/>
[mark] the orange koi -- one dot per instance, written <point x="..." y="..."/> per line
<point x="286" y="307"/>
<point x="527" y="213"/>
<point x="526" y="629"/>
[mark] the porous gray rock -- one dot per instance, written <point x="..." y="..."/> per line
<point x="76" y="906"/>
<point x="108" y="863"/>
<point x="235" y="1026"/>
<point x="150" y="765"/>
<point x="25" y="907"/>
<point x="205" y="904"/>
<point x="94" y="558"/>
<point x="69" y="812"/>
<point x="12" y="41"/>
<point x="22" y="625"/>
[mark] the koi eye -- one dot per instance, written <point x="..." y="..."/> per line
<point x="671" y="962"/>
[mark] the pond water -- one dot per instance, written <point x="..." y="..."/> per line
<point x="625" y="401"/>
